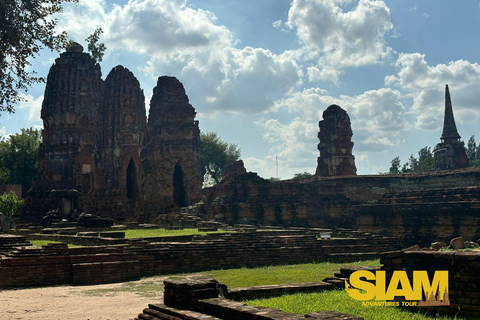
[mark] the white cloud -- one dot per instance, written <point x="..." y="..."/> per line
<point x="427" y="84"/>
<point x="324" y="73"/>
<point x="377" y="118"/>
<point x="187" y="43"/>
<point x="337" y="38"/>
<point x="294" y="145"/>
<point x="277" y="24"/>
<point x="32" y="106"/>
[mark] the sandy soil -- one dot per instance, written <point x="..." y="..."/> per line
<point x="101" y="302"/>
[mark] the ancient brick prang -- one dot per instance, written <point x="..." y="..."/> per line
<point x="450" y="152"/>
<point x="336" y="144"/>
<point x="171" y="156"/>
<point x="96" y="141"/>
<point x="123" y="128"/>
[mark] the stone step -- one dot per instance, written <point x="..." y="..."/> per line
<point x="368" y="240"/>
<point x="248" y="293"/>
<point x="358" y="248"/>
<point x="159" y="310"/>
<point x="351" y="257"/>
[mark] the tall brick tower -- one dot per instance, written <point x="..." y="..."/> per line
<point x="98" y="153"/>
<point x="450" y="152"/>
<point x="171" y="154"/>
<point x="336" y="144"/>
<point x="123" y="128"/>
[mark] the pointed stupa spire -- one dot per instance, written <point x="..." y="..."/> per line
<point x="449" y="128"/>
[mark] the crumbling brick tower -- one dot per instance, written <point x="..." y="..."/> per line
<point x="123" y="124"/>
<point x="171" y="156"/>
<point x="100" y="154"/>
<point x="336" y="144"/>
<point x="73" y="96"/>
<point x="450" y="152"/>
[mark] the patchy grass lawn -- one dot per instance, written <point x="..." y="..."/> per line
<point x="145" y="233"/>
<point x="308" y="272"/>
<point x="340" y="301"/>
<point x="141" y="233"/>
<point x="40" y="243"/>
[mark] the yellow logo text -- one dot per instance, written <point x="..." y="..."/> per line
<point x="366" y="285"/>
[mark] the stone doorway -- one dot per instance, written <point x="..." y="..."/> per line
<point x="179" y="194"/>
<point x="132" y="186"/>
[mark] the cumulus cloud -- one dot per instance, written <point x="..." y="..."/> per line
<point x="189" y="44"/>
<point x="32" y="105"/>
<point x="427" y="85"/>
<point x="246" y="80"/>
<point x="293" y="148"/>
<point x="377" y="115"/>
<point x="341" y="38"/>
<point x="377" y="118"/>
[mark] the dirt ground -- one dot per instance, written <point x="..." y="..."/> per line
<point x="100" y="302"/>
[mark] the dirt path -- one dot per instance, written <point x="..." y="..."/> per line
<point x="101" y="302"/>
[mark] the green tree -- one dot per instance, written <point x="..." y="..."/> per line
<point x="97" y="50"/>
<point x="26" y="27"/>
<point x="18" y="158"/>
<point x="472" y="152"/>
<point x="395" y="165"/>
<point x="9" y="205"/>
<point x="273" y="179"/>
<point x="217" y="155"/>
<point x="426" y="162"/>
<point x="303" y="175"/>
<point x="413" y="163"/>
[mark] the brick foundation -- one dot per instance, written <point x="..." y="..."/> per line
<point x="57" y="264"/>
<point x="199" y="300"/>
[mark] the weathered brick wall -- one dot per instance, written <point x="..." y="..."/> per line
<point x="425" y="216"/>
<point x="36" y="267"/>
<point x="463" y="270"/>
<point x="57" y="264"/>
<point x="417" y="207"/>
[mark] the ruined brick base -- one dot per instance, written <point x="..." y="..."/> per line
<point x="199" y="299"/>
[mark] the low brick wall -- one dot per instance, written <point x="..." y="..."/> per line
<point x="199" y="300"/>
<point x="463" y="271"/>
<point x="57" y="264"/>
<point x="78" y="240"/>
<point x="257" y="292"/>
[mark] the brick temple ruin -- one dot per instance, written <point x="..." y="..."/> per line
<point x="100" y="154"/>
<point x="336" y="158"/>
<point x="415" y="207"/>
<point x="450" y="152"/>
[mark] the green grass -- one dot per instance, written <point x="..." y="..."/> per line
<point x="141" y="233"/>
<point x="309" y="272"/>
<point x="340" y="301"/>
<point x="243" y="277"/>
<point x="145" y="233"/>
<point x="40" y="243"/>
<point x="337" y="300"/>
<point x="301" y="303"/>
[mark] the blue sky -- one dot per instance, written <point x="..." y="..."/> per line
<point x="261" y="73"/>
